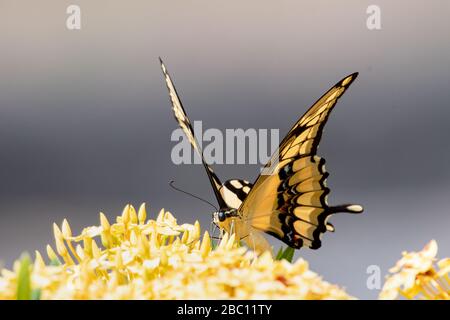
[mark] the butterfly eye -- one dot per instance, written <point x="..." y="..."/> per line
<point x="221" y="216"/>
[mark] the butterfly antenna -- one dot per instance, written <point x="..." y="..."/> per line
<point x="192" y="195"/>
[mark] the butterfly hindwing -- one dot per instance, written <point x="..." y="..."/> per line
<point x="291" y="202"/>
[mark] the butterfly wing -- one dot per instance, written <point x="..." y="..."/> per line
<point x="229" y="194"/>
<point x="290" y="203"/>
<point x="186" y="126"/>
<point x="234" y="192"/>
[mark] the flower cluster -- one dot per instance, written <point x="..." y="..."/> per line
<point x="418" y="275"/>
<point x="136" y="258"/>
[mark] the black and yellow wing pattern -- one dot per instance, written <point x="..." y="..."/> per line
<point x="290" y="203"/>
<point x="229" y="194"/>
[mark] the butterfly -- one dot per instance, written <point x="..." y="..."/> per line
<point x="290" y="203"/>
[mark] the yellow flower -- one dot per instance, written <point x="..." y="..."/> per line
<point x="415" y="276"/>
<point x="140" y="258"/>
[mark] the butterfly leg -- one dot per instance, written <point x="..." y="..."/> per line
<point x="255" y="255"/>
<point x="232" y="227"/>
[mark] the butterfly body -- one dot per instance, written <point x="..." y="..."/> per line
<point x="230" y="221"/>
<point x="288" y="201"/>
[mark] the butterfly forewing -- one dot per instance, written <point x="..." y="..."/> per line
<point x="232" y="192"/>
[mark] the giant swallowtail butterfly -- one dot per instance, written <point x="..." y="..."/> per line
<point x="290" y="203"/>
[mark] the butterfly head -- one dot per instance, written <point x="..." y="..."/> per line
<point x="221" y="217"/>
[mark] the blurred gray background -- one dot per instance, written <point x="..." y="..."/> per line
<point x="85" y="120"/>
